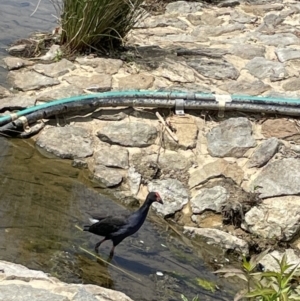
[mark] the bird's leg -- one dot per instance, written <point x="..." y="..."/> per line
<point x="98" y="244"/>
<point x="111" y="254"/>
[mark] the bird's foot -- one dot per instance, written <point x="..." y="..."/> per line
<point x="96" y="250"/>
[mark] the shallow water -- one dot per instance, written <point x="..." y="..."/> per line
<point x="16" y="23"/>
<point x="41" y="201"/>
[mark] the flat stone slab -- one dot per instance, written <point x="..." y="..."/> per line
<point x="284" y="54"/>
<point x="4" y="92"/>
<point x="55" y="69"/>
<point x="67" y="142"/>
<point x="231" y="138"/>
<point x="186" y="132"/>
<point x="112" y="156"/>
<point x="263" y="68"/>
<point x="101" y="65"/>
<point x="244" y="87"/>
<point x="175" y="71"/>
<point x="173" y="193"/>
<point x="279" y="39"/>
<point x="265" y="151"/>
<point x="14" y="63"/>
<point x="219" y="238"/>
<point x="136" y="81"/>
<point x="109" y="177"/>
<point x="59" y="93"/>
<point x="209" y="199"/>
<point x="278" y="178"/>
<point x="275" y="218"/>
<point x="292" y="84"/>
<point x="136" y="134"/>
<point x="216" y="169"/>
<point x="97" y="83"/>
<point x="17" y="102"/>
<point x="248" y="51"/>
<point x="30" y="80"/>
<point x="281" y="128"/>
<point x="217" y="69"/>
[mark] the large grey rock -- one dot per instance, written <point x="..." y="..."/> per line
<point x="55" y="69"/>
<point x="275" y="218"/>
<point x="278" y="39"/>
<point x="231" y="138"/>
<point x="217" y="69"/>
<point x="245" y="87"/>
<point x="58" y="93"/>
<point x="209" y="199"/>
<point x="30" y="80"/>
<point x="18" y="102"/>
<point x="215" y="169"/>
<point x="97" y="83"/>
<point x="67" y="142"/>
<point x="219" y="238"/>
<point x="19" y="272"/>
<point x="263" y="68"/>
<point x="19" y="283"/>
<point x="136" y="134"/>
<point x="111" y="156"/>
<point x="21" y="292"/>
<point x="264" y="152"/>
<point x="108" y="177"/>
<point x="280" y="177"/>
<point x="284" y="54"/>
<point x="173" y="193"/>
<point x="248" y="51"/>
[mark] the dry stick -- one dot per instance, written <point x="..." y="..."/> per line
<point x="174" y="137"/>
<point x="36" y="8"/>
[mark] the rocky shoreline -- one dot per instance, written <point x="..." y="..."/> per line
<point x="231" y="180"/>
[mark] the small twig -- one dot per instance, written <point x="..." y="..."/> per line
<point x="36" y="8"/>
<point x="173" y="136"/>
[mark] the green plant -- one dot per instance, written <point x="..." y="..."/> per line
<point x="266" y="285"/>
<point x="184" y="298"/>
<point x="96" y="24"/>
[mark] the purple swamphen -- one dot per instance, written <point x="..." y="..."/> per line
<point x="116" y="228"/>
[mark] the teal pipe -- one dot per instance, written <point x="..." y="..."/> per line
<point x="197" y="96"/>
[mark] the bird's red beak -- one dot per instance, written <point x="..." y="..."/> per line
<point x="158" y="199"/>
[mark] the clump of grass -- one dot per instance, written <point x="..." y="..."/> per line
<point x="96" y="24"/>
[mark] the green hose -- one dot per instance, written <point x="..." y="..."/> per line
<point x="116" y="98"/>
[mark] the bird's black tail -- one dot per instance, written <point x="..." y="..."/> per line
<point x="86" y="228"/>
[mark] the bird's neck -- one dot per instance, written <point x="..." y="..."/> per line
<point x="143" y="210"/>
